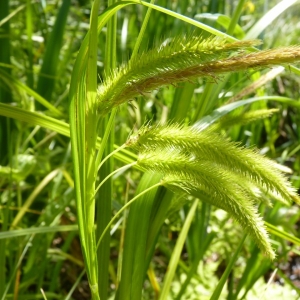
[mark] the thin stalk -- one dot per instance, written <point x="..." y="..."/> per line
<point x="142" y="31"/>
<point x="235" y="17"/>
<point x="111" y="154"/>
<point x="78" y="280"/>
<point x="125" y="207"/>
<point x="5" y="291"/>
<point x="108" y="128"/>
<point x="112" y="173"/>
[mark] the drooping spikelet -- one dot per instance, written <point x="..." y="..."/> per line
<point x="184" y="59"/>
<point x="207" y="165"/>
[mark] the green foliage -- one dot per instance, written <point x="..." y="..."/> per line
<point x="176" y="182"/>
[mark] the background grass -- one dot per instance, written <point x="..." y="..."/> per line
<point x="39" y="249"/>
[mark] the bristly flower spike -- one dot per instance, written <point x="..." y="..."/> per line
<point x="183" y="59"/>
<point x="208" y="166"/>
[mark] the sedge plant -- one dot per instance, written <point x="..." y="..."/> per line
<point x="195" y="159"/>
<point x="179" y="160"/>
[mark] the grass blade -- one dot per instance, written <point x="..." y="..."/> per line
<point x="104" y="202"/>
<point x="222" y="282"/>
<point x="134" y="255"/>
<point x="5" y="96"/>
<point x="49" y="68"/>
<point x="268" y="18"/>
<point x="177" y="252"/>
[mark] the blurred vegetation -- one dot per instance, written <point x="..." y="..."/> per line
<point x="40" y="250"/>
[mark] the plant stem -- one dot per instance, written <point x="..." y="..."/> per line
<point x="90" y="152"/>
<point x="123" y="208"/>
<point x="107" y="146"/>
